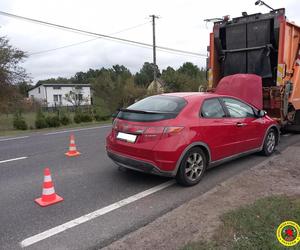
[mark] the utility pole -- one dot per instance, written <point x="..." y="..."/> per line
<point x="154" y="48"/>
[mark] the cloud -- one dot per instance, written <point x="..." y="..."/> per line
<point x="180" y="26"/>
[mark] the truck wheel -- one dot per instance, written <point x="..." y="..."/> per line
<point x="270" y="143"/>
<point x="192" y="167"/>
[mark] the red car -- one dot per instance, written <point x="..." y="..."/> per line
<point x="182" y="134"/>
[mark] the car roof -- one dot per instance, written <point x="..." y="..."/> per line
<point x="190" y="95"/>
<point x="194" y="96"/>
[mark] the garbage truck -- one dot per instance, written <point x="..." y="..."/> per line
<point x="266" y="45"/>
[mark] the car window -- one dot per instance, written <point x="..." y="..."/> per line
<point x="212" y="108"/>
<point x="238" y="109"/>
<point x="158" y="108"/>
<point x="160" y="104"/>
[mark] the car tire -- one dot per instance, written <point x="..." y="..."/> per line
<point x="192" y="167"/>
<point x="270" y="143"/>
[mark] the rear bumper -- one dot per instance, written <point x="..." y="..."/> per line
<point x="137" y="165"/>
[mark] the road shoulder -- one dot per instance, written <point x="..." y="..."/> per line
<point x="198" y="219"/>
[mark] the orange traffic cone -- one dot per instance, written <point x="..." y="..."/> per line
<point x="49" y="196"/>
<point x="72" y="148"/>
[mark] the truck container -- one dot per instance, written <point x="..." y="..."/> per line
<point x="266" y="45"/>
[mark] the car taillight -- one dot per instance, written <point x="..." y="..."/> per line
<point x="114" y="125"/>
<point x="170" y="131"/>
<point x="153" y="133"/>
<point x="147" y="133"/>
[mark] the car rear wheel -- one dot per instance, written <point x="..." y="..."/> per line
<point x="270" y="143"/>
<point x="192" y="167"/>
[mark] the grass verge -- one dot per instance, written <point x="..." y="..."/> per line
<point x="253" y="227"/>
<point x="70" y="126"/>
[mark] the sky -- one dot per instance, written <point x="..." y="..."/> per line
<point x="180" y="25"/>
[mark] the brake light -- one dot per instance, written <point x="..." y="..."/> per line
<point x="153" y="133"/>
<point x="163" y="130"/>
<point x="147" y="133"/>
<point x="114" y="125"/>
<point x="170" y="131"/>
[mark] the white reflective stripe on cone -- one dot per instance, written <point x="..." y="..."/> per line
<point x="72" y="142"/>
<point x="48" y="191"/>
<point x="47" y="178"/>
<point x="72" y="148"/>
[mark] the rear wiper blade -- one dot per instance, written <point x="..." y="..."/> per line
<point x="144" y="112"/>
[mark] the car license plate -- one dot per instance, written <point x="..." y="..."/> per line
<point x="126" y="137"/>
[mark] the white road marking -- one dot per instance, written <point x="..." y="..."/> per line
<point x="74" y="130"/>
<point x="14" y="159"/>
<point x="73" y="223"/>
<point x="14" y="138"/>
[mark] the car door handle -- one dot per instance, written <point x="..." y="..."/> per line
<point x="241" y="124"/>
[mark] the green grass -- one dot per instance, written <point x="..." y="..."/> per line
<point x="253" y="227"/>
<point x="6" y="121"/>
<point x="6" y="125"/>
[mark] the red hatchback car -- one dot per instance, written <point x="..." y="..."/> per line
<point x="182" y="134"/>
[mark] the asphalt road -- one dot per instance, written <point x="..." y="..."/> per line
<point x="88" y="183"/>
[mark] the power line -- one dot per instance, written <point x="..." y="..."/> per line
<point x="86" y="41"/>
<point x="89" y="33"/>
<point x="177" y="53"/>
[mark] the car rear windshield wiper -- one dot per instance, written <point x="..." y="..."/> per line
<point x="144" y="112"/>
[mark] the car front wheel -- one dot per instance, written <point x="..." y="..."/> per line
<point x="270" y="143"/>
<point x="192" y="167"/>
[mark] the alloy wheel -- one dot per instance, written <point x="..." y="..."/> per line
<point x="194" y="166"/>
<point x="271" y="141"/>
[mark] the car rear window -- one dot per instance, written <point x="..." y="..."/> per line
<point x="153" y="108"/>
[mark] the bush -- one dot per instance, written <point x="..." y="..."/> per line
<point x="65" y="120"/>
<point x="86" y="117"/>
<point x="101" y="114"/>
<point x="82" y="117"/>
<point x="40" y="121"/>
<point x="77" y="117"/>
<point x="53" y="121"/>
<point x="19" y="122"/>
<point x="99" y="117"/>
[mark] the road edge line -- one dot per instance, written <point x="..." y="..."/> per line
<point x="14" y="159"/>
<point x="74" y="130"/>
<point x="13" y="138"/>
<point x="87" y="217"/>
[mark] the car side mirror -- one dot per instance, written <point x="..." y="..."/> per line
<point x="261" y="113"/>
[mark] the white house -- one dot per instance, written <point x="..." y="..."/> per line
<point x="52" y="95"/>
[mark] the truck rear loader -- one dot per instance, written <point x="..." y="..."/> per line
<point x="266" y="45"/>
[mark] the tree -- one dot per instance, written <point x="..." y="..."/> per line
<point x="187" y="78"/>
<point x="145" y="75"/>
<point x="10" y="57"/>
<point x="58" y="80"/>
<point x="131" y="93"/>
<point x="10" y="74"/>
<point x="109" y="88"/>
<point x="169" y="76"/>
<point x="189" y="69"/>
<point x="23" y="88"/>
<point x="75" y="97"/>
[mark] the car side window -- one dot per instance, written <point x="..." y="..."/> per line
<point x="212" y="108"/>
<point x="237" y="109"/>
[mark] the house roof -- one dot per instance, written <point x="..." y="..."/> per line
<point x="61" y="85"/>
<point x="158" y="80"/>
